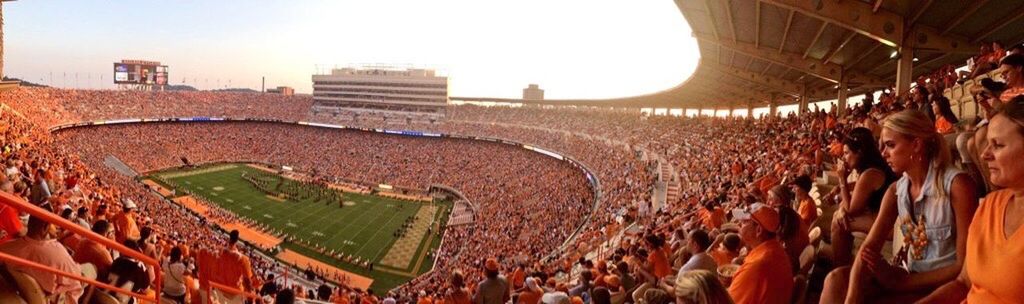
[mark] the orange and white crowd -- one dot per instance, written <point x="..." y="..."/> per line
<point x="950" y="190"/>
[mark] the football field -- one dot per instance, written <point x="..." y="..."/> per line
<point x="395" y="235"/>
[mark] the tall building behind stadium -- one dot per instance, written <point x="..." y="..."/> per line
<point x="392" y="91"/>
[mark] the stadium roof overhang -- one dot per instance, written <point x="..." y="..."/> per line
<point x="755" y="52"/>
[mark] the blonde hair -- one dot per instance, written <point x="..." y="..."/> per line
<point x="917" y="125"/>
<point x="702" y="287"/>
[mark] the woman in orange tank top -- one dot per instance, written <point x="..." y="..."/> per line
<point x="993" y="270"/>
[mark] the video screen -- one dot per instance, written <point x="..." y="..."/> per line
<point x="128" y="73"/>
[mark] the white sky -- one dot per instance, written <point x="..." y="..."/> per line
<point x="572" y="48"/>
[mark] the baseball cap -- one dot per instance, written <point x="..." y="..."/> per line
<point x="760" y="213"/>
<point x="128" y="203"/>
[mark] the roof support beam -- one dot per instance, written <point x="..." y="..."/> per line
<point x="722" y="95"/>
<point x="785" y="32"/>
<point x="963" y="16"/>
<point x="864" y="55"/>
<point x="884" y="26"/>
<point x="824" y="70"/>
<point x="926" y="39"/>
<point x="728" y="17"/>
<point x="714" y="22"/>
<point x="999" y="25"/>
<point x="933" y="60"/>
<point x="832" y="53"/>
<point x="878" y="5"/>
<point x="817" y="36"/>
<point x="766" y="68"/>
<point x="757" y="23"/>
<point x="749" y="63"/>
<point x="777" y="84"/>
<point x="924" y="6"/>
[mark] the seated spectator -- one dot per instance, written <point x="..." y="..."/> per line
<point x="766" y="275"/>
<point x="39" y="245"/>
<point x="933" y="203"/>
<point x="127" y="269"/>
<point x="859" y="206"/>
<point x="626" y="279"/>
<point x="1012" y="68"/>
<point x="127" y="227"/>
<point x="792" y="234"/>
<point x="93" y="252"/>
<point x="531" y="293"/>
<point x="712" y="216"/>
<point x="601" y="295"/>
<point x="988" y="96"/>
<point x="174" y="277"/>
<point x="727" y="248"/>
<point x="945" y="120"/>
<point x="808" y="210"/>
<point x="699" y="242"/>
<point x="10" y="225"/>
<point x="993" y="268"/>
<point x="700" y="287"/>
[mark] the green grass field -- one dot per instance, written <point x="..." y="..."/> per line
<point x="364" y="227"/>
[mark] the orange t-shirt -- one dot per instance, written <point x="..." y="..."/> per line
<point x="518" y="278"/>
<point x="808" y="212"/>
<point x="1009" y="94"/>
<point x="659" y="261"/>
<point x="425" y="300"/>
<point x="765" y="276"/>
<point x="993" y="262"/>
<point x="460" y="296"/>
<point x="227" y="267"/>
<point x="530" y="297"/>
<point x="10" y="224"/>
<point x="722" y="256"/>
<point x="712" y="220"/>
<point x="942" y="125"/>
<point x="127" y="229"/>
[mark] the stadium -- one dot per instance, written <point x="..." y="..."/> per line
<point x="823" y="151"/>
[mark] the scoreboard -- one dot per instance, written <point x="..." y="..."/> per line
<point x="140" y="72"/>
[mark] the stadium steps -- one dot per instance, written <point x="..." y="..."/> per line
<point x="674" y="188"/>
<point x="118" y="166"/>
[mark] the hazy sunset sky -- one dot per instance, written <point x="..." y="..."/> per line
<point x="572" y="48"/>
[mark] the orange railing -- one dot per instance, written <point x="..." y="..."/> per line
<point x="21" y="205"/>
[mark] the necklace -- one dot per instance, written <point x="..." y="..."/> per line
<point x="914" y="236"/>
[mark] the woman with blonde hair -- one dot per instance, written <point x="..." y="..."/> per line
<point x="932" y="204"/>
<point x="700" y="287"/>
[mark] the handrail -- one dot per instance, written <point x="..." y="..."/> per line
<point x="7" y="258"/>
<point x="33" y="210"/>
<point x="231" y="290"/>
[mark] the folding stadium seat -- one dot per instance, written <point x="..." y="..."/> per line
<point x="9" y="292"/>
<point x="28" y="287"/>
<point x="103" y="298"/>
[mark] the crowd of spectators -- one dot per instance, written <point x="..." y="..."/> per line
<point x="744" y="202"/>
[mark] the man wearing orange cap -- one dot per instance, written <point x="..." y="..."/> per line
<point x="495" y="288"/>
<point x="766" y="275"/>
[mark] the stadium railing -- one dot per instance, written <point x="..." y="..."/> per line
<point x="25" y="207"/>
